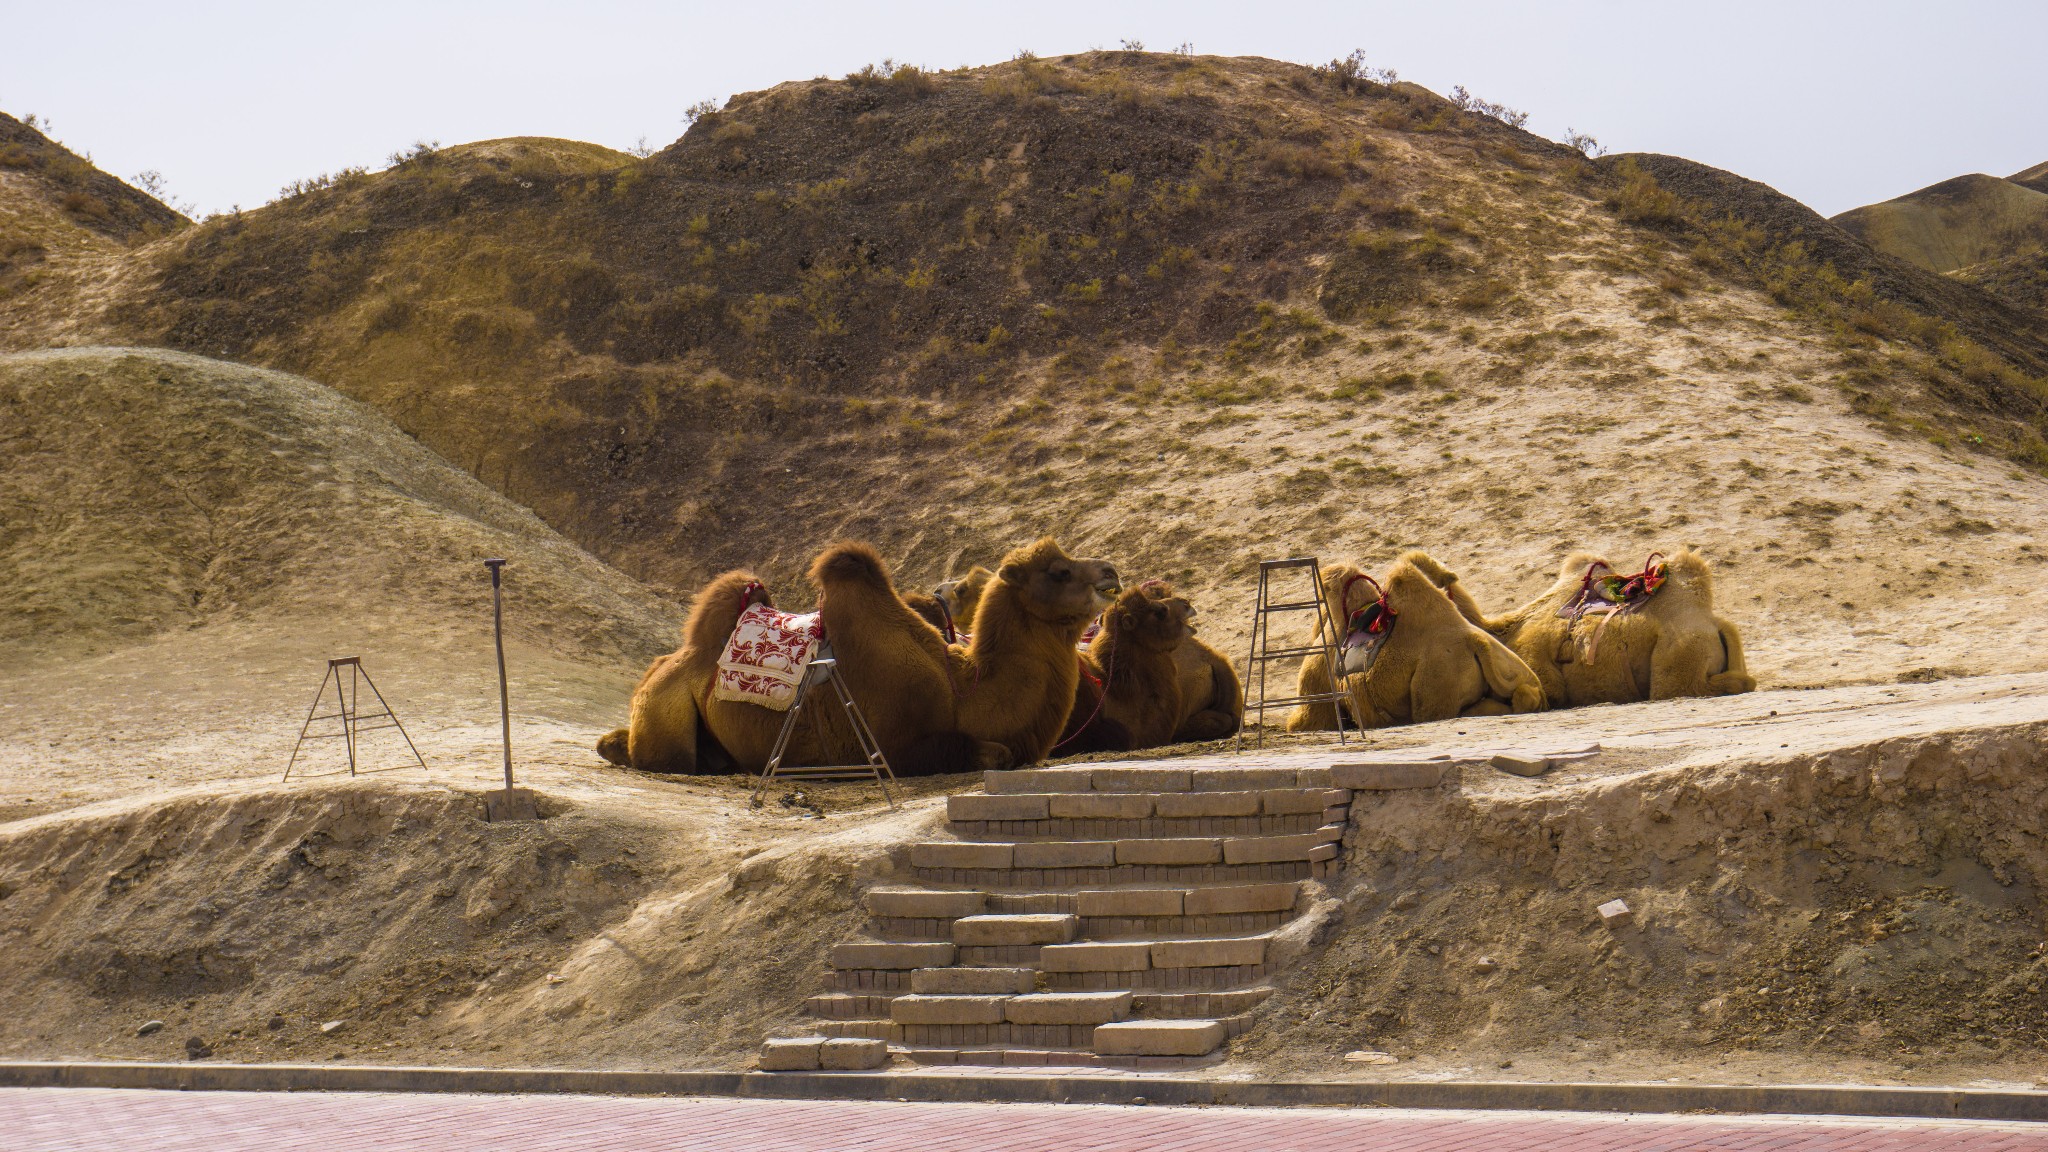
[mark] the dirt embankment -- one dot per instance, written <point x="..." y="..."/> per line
<point x="1872" y="911"/>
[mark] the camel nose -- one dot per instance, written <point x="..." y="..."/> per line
<point x="1106" y="579"/>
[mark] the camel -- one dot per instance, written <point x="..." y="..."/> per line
<point x="1130" y="696"/>
<point x="1211" y="699"/>
<point x="962" y="595"/>
<point x="1435" y="664"/>
<point x="1673" y="645"/>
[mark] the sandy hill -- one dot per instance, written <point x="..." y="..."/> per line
<point x="187" y="541"/>
<point x="59" y="215"/>
<point x="2035" y="177"/>
<point x="1952" y="224"/>
<point x="1183" y="312"/>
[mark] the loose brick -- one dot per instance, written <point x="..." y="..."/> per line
<point x="1000" y="931"/>
<point x="1065" y="854"/>
<point x="919" y="904"/>
<point x="1197" y="805"/>
<point x="1159" y="1038"/>
<point x="1386" y="776"/>
<point x="1242" y="779"/>
<point x="797" y="1055"/>
<point x="1141" y="779"/>
<point x="1095" y="957"/>
<point x="892" y="955"/>
<point x="921" y="1009"/>
<point x="1324" y="852"/>
<point x="1081" y="1008"/>
<point x="1269" y="849"/>
<point x="847" y="1054"/>
<point x="972" y="807"/>
<point x="972" y="981"/>
<point x="1240" y="898"/>
<point x="1037" y="780"/>
<point x="1329" y="833"/>
<point x="1521" y="765"/>
<point x="946" y="854"/>
<point x="1101" y="806"/>
<point x="1294" y="801"/>
<point x="1130" y="902"/>
<point x="1179" y="850"/>
<point x="1206" y="953"/>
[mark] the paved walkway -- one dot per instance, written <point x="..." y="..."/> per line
<point x="47" y="1119"/>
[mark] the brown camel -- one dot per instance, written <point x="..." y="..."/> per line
<point x="962" y="595"/>
<point x="1211" y="699"/>
<point x="1433" y="665"/>
<point x="1673" y="645"/>
<point x="663" y="721"/>
<point x="1135" y="649"/>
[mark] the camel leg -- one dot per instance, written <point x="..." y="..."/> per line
<point x="1487" y="706"/>
<point x="1507" y="677"/>
<point x="662" y="730"/>
<point x="1314" y="678"/>
<point x="1678" y="670"/>
<point x="614" y="746"/>
<point x="1208" y="724"/>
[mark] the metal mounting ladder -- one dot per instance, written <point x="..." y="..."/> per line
<point x="352" y="719"/>
<point x="1262" y="653"/>
<point x="823" y="669"/>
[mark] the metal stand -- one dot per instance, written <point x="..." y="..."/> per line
<point x="824" y="669"/>
<point x="353" y="720"/>
<point x="1262" y="653"/>
<point x="512" y="803"/>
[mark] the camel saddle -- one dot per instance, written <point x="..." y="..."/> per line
<point x="764" y="660"/>
<point x="1607" y="596"/>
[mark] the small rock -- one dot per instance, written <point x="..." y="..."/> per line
<point x="1369" y="1056"/>
<point x="276" y="1022"/>
<point x="196" y="1048"/>
<point x="1521" y="764"/>
<point x="151" y="1028"/>
<point x="1485" y="966"/>
<point x="1507" y="1063"/>
<point x="331" y="1027"/>
<point x="1615" y="913"/>
<point x="1405" y="901"/>
<point x="1141" y="1101"/>
<point x="556" y="978"/>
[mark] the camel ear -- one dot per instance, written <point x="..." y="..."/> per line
<point x="1011" y="574"/>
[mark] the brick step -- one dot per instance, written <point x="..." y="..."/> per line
<point x="1133" y="875"/>
<point x="1121" y="807"/>
<point x="849" y="1005"/>
<point x="1157" y="979"/>
<point x="973" y="981"/>
<point x="1062" y="1008"/>
<point x="1160" y="1038"/>
<point x="808" y="1053"/>
<point x="1012" y="929"/>
<point x="1004" y="1057"/>
<point x="888" y="955"/>
<point x="1032" y="830"/>
<point x="884" y="1030"/>
<point x="1077" y="854"/>
<point x="1190" y="1005"/>
<point x="894" y="981"/>
<point x="1097" y="928"/>
<point x="1107" y="779"/>
<point x="1070" y="1036"/>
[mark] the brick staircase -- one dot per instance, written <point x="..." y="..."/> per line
<point x="1118" y="916"/>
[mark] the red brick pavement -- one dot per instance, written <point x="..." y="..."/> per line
<point x="50" y="1119"/>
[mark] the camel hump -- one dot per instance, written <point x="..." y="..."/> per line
<point x="1575" y="565"/>
<point x="1439" y="575"/>
<point x="850" y="561"/>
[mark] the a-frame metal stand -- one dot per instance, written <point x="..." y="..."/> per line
<point x="353" y="719"/>
<point x="1262" y="652"/>
<point x="823" y="669"/>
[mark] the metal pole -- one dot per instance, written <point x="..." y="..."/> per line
<point x="504" y="697"/>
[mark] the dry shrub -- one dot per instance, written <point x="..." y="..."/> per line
<point x="1299" y="161"/>
<point x="1639" y="199"/>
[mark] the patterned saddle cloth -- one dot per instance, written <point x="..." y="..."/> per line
<point x="764" y="660"/>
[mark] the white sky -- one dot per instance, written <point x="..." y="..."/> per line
<point x="1838" y="104"/>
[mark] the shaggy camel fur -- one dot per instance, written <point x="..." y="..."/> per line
<point x="962" y="595"/>
<point x="1672" y="646"/>
<point x="662" y="727"/>
<point x="1211" y="699"/>
<point x="1434" y="665"/>
<point x="1130" y="696"/>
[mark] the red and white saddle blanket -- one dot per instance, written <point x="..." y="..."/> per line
<point x="764" y="660"/>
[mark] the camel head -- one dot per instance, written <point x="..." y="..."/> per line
<point x="1053" y="586"/>
<point x="1151" y="616"/>
<point x="961" y="593"/>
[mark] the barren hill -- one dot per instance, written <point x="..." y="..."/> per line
<point x="1952" y="224"/>
<point x="186" y="542"/>
<point x="59" y="215"/>
<point x="1186" y="312"/>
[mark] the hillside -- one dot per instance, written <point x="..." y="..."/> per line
<point x="1186" y="312"/>
<point x="1952" y="224"/>
<point x="59" y="215"/>
<point x="187" y="541"/>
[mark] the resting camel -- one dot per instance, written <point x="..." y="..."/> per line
<point x="998" y="702"/>
<point x="1211" y="699"/>
<point x="1434" y="665"/>
<point x="961" y="595"/>
<point x="1673" y="645"/>
<point x="1134" y="700"/>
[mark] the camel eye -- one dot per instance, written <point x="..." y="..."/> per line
<point x="1061" y="575"/>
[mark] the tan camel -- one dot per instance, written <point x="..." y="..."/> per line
<point x="1434" y="664"/>
<point x="1673" y="645"/>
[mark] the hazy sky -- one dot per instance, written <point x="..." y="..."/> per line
<point x="1838" y="104"/>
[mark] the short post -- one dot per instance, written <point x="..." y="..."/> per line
<point x="512" y="803"/>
